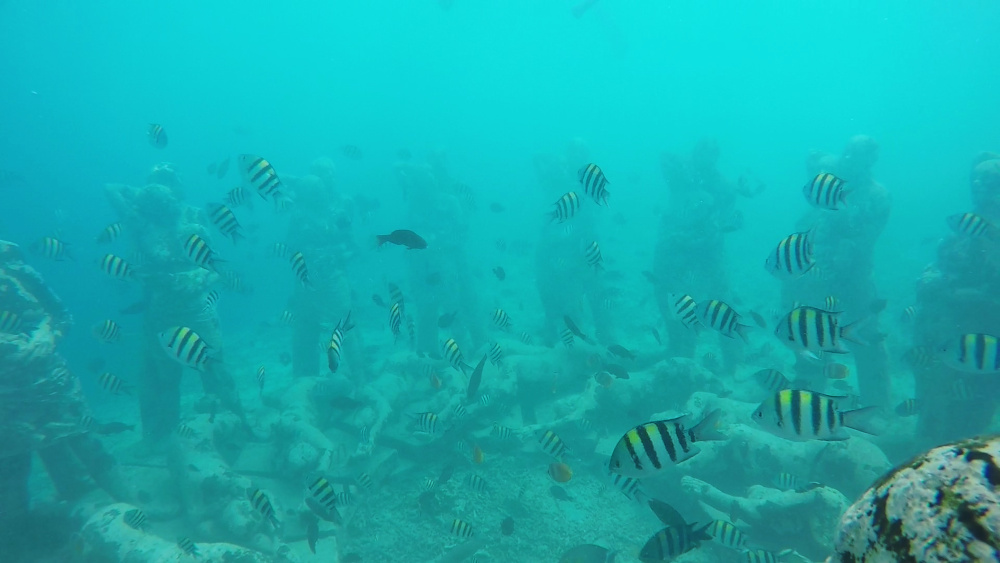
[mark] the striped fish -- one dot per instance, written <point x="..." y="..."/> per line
<point x="476" y="483"/>
<point x="825" y="191"/>
<point x="627" y="485"/>
<point x="337" y="342"/>
<point x="565" y="207"/>
<point x="830" y="303"/>
<point x="261" y="377"/>
<point x="299" y="267"/>
<point x="52" y="248"/>
<point x="185" y="346"/>
<point x="758" y="556"/>
<point x="10" y="323"/>
<point x="224" y="220"/>
<point x="110" y="233"/>
<point x="972" y="353"/>
<point x="971" y="225"/>
<point x="187" y="546"/>
<point x="502" y="432"/>
<point x="234" y="282"/>
<point x="365" y="481"/>
<point x="322" y="492"/>
<point x="116" y="267"/>
<point x="672" y="541"/>
<point x="799" y="415"/>
<point x="107" y="331"/>
<point x="280" y="250"/>
<point x="908" y="315"/>
<point x="685" y="309"/>
<point x="501" y="319"/>
<point x="262" y="504"/>
<point x="723" y="318"/>
<point x="908" y="407"/>
<point x="237" y="197"/>
<point x="185" y="431"/>
<point x="496" y="354"/>
<point x="199" y="252"/>
<point x="460" y="411"/>
<point x="772" y="380"/>
<point x="552" y="444"/>
<point x="395" y="319"/>
<point x="453" y="354"/>
<point x="811" y="330"/>
<point x="594" y="183"/>
<point x="461" y="528"/>
<point x="594" y="257"/>
<point x="526" y="339"/>
<point x="112" y="384"/>
<point x="727" y="534"/>
<point x="792" y="258"/>
<point x="653" y="446"/>
<point x="396" y="295"/>
<point x="286" y="317"/>
<point x="261" y="177"/>
<point x="426" y="422"/>
<point x="211" y="300"/>
<point x="135" y="518"/>
<point x="484" y="400"/>
<point x="786" y="481"/>
<point x="156" y="135"/>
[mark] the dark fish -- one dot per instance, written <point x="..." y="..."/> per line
<point x="656" y="335"/>
<point x="312" y="534"/>
<point x="559" y="493"/>
<point x="670" y="542"/>
<point x="475" y="379"/>
<point x="377" y="299"/>
<point x="445" y="320"/>
<point x="499" y="273"/>
<point x="576" y="330"/>
<point x="497" y="208"/>
<point x="402" y="237"/>
<point x="507" y="526"/>
<point x="157" y="136"/>
<point x="109" y="428"/>
<point x="352" y="152"/>
<point x="667" y="514"/>
<point x="757" y="318"/>
<point x="616" y="370"/>
<point x="621" y="351"/>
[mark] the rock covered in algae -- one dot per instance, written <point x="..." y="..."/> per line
<point x="943" y="505"/>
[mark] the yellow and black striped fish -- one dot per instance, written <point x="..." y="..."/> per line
<point x="798" y="415"/>
<point x="224" y="220"/>
<point x="971" y="225"/>
<point x="496" y="354"/>
<point x="337" y="342"/>
<point x="825" y="191"/>
<point x="53" y="249"/>
<point x="461" y="528"/>
<point x="262" y="504"/>
<point x="237" y="197"/>
<point x="552" y="444"/>
<point x="299" y="267"/>
<point x="199" y="252"/>
<point x="671" y="542"/>
<point x="972" y="353"/>
<point x="501" y="319"/>
<point x="261" y="177"/>
<point x="395" y="319"/>
<point x="107" y="331"/>
<point x="792" y="258"/>
<point x="116" y="267"/>
<point x="811" y="330"/>
<point x="685" y="309"/>
<point x="453" y="354"/>
<point x="110" y="233"/>
<point x="156" y="135"/>
<point x="594" y="257"/>
<point x="567" y="337"/>
<point x="364" y="480"/>
<point x="323" y="493"/>
<point x="426" y="422"/>
<point x="727" y="534"/>
<point x="758" y="556"/>
<point x="187" y="546"/>
<point x="831" y="302"/>
<point x="135" y="518"/>
<point x="185" y="346"/>
<point x="565" y="207"/>
<point x="772" y="380"/>
<point x="723" y="318"/>
<point x="112" y="384"/>
<point x="594" y="183"/>
<point x="653" y="446"/>
<point x="908" y="407"/>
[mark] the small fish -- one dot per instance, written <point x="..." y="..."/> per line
<point x="395" y="319"/>
<point x="758" y="556"/>
<point x="908" y="315"/>
<point x="211" y="300"/>
<point x="629" y="486"/>
<point x="323" y="493"/>
<point x="186" y="347"/>
<point x="560" y="472"/>
<point x="107" y="331"/>
<point x="135" y="518"/>
<point x="792" y="258"/>
<point x="567" y="337"/>
<point x="377" y="300"/>
<point x="156" y="135"/>
<point x="603" y="379"/>
<point x="445" y="320"/>
<point x="588" y="552"/>
<point x="427" y="422"/>
<point x="261" y="177"/>
<point x="811" y="330"/>
<point x="499" y="273"/>
<point x="262" y="504"/>
<point x="110" y="233"/>
<point x="972" y="353"/>
<point x="366" y="435"/>
<point x="261" y="376"/>
<point x="352" y="152"/>
<point x="502" y="431"/>
<point x="476" y="483"/>
<point x="830" y="303"/>
<point x="287" y="317"/>
<point x="485" y="400"/>
<point x="592" y="178"/>
<point x="799" y="415"/>
<point x="526" y="339"/>
<point x="116" y="267"/>
<point x="650" y="447"/>
<point x="559" y="493"/>
<point x="396" y="295"/>
<point x="52" y="248"/>
<point x="593" y="255"/>
<point x="565" y="208"/>
<point x="337" y="342"/>
<point x="772" y="380"/>
<point x="238" y="197"/>
<point x="10" y="323"/>
<point x="281" y="250"/>
<point x="576" y="330"/>
<point x="312" y="534"/>
<point x="758" y="319"/>
<point x="365" y="480"/>
<point x="621" y="351"/>
<point x="435" y="381"/>
<point x="909" y="407"/>
<point x="298" y="262"/>
<point x="475" y="379"/>
<point x="507" y="526"/>
<point x="825" y="191"/>
<point x="402" y="237"/>
<point x="723" y="318"/>
<point x="224" y="220"/>
<point x="187" y="546"/>
<point x="727" y="534"/>
<point x="671" y="542"/>
<point x="501" y="319"/>
<point x="497" y="207"/>
<point x="453" y="354"/>
<point x="836" y="370"/>
<point x="112" y="384"/>
<point x="199" y="252"/>
<point x="185" y="431"/>
<point x="461" y="528"/>
<point x="552" y="444"/>
<point x="496" y="354"/>
<point x="685" y="310"/>
<point x="616" y="370"/>
<point x="656" y="334"/>
<point x="478" y="457"/>
<point x="971" y="225"/>
<point x="786" y="481"/>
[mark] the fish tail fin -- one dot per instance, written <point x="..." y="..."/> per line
<point x="742" y="331"/>
<point x="850" y="332"/>
<point x="708" y="429"/>
<point x="346" y="323"/>
<point x="380" y="240"/>
<point x="862" y="420"/>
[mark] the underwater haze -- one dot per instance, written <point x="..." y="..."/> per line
<point x="452" y="280"/>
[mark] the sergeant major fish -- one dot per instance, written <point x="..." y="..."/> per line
<point x="799" y="415"/>
<point x="650" y="447"/>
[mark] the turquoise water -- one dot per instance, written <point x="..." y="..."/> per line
<point x="497" y="105"/>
